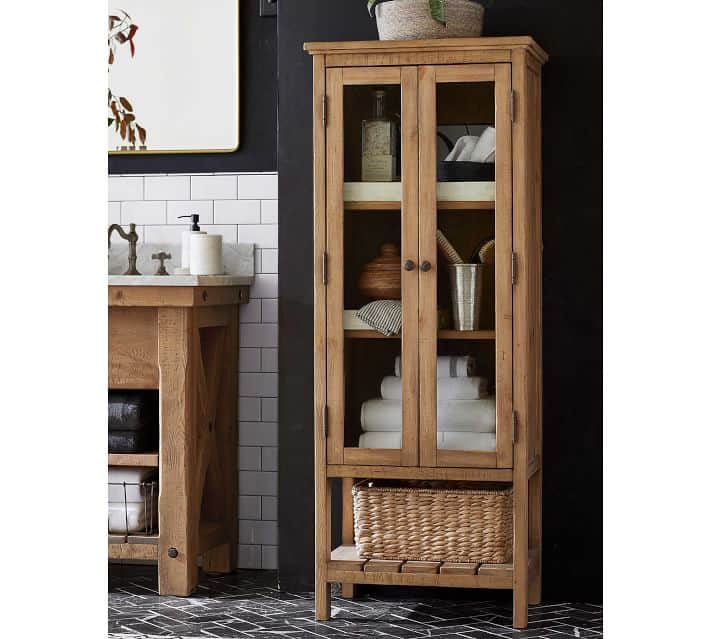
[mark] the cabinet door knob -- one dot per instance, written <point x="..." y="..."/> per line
<point x="426" y="266"/>
<point x="409" y="265"/>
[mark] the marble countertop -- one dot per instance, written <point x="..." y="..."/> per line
<point x="180" y="280"/>
<point x="238" y="264"/>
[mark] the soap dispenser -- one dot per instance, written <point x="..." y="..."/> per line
<point x="186" y="235"/>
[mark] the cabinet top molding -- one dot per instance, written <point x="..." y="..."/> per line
<point x="365" y="47"/>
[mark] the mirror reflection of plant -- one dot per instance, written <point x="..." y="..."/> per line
<point x="122" y="29"/>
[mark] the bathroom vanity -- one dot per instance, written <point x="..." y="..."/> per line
<point x="434" y="91"/>
<point x="179" y="335"/>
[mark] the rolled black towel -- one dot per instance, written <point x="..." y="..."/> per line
<point x="132" y="441"/>
<point x="132" y="410"/>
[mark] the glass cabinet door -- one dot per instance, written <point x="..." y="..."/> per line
<point x="371" y="263"/>
<point x="465" y="244"/>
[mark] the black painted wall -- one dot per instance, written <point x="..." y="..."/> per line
<point x="257" y="127"/>
<point x="572" y="143"/>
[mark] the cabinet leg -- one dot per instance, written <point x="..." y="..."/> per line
<point x="348" y="591"/>
<point x="520" y="607"/>
<point x="535" y="590"/>
<point x="322" y="601"/>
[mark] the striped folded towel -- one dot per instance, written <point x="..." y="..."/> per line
<point x="384" y="316"/>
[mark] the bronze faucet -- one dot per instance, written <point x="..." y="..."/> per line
<point x="132" y="238"/>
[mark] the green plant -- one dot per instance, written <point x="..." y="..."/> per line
<point x="436" y="8"/>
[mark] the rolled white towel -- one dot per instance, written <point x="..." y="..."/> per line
<point x="485" y="442"/>
<point x="134" y="513"/>
<point x="446" y="366"/>
<point x="447" y="388"/>
<point x="464" y="415"/>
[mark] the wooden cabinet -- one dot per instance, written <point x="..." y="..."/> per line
<point x="182" y="341"/>
<point x="476" y="100"/>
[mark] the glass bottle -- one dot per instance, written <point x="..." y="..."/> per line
<point x="379" y="143"/>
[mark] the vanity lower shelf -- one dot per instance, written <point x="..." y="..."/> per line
<point x="141" y="460"/>
<point x="132" y="547"/>
<point x="346" y="567"/>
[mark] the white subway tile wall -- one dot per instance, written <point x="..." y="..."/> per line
<point x="244" y="208"/>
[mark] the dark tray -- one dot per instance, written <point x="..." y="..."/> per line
<point x="466" y="171"/>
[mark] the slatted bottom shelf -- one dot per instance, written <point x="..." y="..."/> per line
<point x="346" y="567"/>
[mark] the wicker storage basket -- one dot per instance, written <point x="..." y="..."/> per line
<point x="434" y="521"/>
<point x="411" y="20"/>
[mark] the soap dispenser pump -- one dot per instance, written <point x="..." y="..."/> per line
<point x="186" y="235"/>
<point x="195" y="226"/>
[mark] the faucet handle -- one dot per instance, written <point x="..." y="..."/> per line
<point x="162" y="256"/>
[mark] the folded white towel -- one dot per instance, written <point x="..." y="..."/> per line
<point x="447" y="388"/>
<point x="464" y="415"/>
<point x="446" y="366"/>
<point x="117" y="475"/>
<point x="462" y="149"/>
<point x="485" y="442"/>
<point x="485" y="150"/>
<point x="134" y="513"/>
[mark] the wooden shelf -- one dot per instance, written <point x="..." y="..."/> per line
<point x="346" y="566"/>
<point x="419" y="472"/>
<point x="443" y="334"/>
<point x="148" y="460"/>
<point x="442" y="205"/>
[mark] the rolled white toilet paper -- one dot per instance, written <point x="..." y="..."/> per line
<point x="206" y="255"/>
<point x="186" y="235"/>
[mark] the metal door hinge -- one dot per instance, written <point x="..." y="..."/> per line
<point x="324" y="110"/>
<point x="324" y="268"/>
<point x="514" y="268"/>
<point x="324" y="422"/>
<point x="512" y="105"/>
<point x="515" y="425"/>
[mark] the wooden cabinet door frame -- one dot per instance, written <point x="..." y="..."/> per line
<point x="336" y="79"/>
<point x="429" y="78"/>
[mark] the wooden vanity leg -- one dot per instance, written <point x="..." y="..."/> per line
<point x="223" y="559"/>
<point x="178" y="521"/>
<point x="348" y="590"/>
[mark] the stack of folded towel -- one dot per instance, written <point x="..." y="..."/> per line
<point x="132" y="500"/>
<point x="465" y="415"/>
<point x="132" y="421"/>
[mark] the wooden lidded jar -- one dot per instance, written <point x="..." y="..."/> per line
<point x="382" y="277"/>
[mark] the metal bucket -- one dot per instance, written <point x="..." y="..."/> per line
<point x="466" y="283"/>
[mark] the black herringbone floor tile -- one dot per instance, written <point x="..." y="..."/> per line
<point x="249" y="605"/>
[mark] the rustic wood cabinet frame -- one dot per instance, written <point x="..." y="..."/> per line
<point x="514" y="66"/>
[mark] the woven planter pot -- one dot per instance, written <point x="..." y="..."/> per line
<point x="411" y="20"/>
<point x="426" y="522"/>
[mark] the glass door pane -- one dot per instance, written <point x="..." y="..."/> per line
<point x="372" y="299"/>
<point x="466" y="159"/>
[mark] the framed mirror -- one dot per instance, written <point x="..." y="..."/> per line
<point x="173" y="76"/>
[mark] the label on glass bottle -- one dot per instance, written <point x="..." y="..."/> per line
<point x="378" y="168"/>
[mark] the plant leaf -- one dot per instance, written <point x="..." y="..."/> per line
<point x="110" y="56"/>
<point x="141" y="133"/>
<point x="110" y="121"/>
<point x="436" y="8"/>
<point x="123" y="129"/>
<point x="126" y="104"/>
<point x="132" y="47"/>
